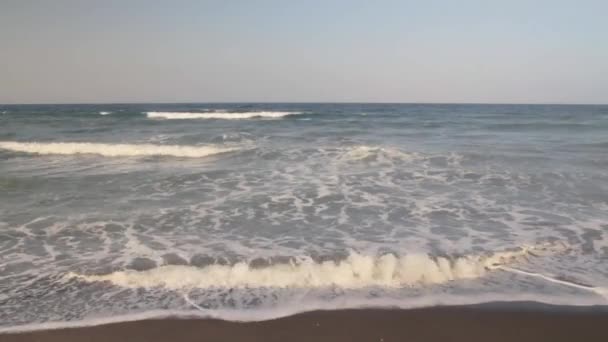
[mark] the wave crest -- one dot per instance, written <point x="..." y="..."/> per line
<point x="113" y="150"/>
<point x="356" y="271"/>
<point x="217" y="115"/>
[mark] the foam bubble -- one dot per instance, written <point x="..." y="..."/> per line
<point x="356" y="271"/>
<point x="113" y="150"/>
<point x="217" y="115"/>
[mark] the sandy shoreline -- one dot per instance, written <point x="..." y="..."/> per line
<point x="469" y="323"/>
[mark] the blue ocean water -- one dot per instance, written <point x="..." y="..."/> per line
<point x="253" y="211"/>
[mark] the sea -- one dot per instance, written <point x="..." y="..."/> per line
<point x="245" y="212"/>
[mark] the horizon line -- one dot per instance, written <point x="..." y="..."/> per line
<point x="308" y="102"/>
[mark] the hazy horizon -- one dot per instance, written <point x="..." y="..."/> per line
<point x="301" y="102"/>
<point x="76" y="52"/>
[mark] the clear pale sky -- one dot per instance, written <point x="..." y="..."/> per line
<point x="513" y="51"/>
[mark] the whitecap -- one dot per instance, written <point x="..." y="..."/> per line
<point x="217" y="115"/>
<point x="113" y="150"/>
<point x="356" y="271"/>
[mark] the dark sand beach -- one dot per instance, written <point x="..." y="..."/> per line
<point x="444" y="324"/>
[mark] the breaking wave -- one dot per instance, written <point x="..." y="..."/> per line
<point x="356" y="271"/>
<point x="217" y="115"/>
<point x="113" y="150"/>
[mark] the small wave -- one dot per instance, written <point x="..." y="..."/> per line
<point x="217" y="115"/>
<point x="364" y="152"/>
<point x="601" y="145"/>
<point x="105" y="113"/>
<point x="356" y="271"/>
<point x="113" y="150"/>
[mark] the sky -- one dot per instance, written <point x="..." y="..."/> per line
<point x="106" y="51"/>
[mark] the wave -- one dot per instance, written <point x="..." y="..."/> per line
<point x="113" y="150"/>
<point x="105" y="113"/>
<point x="356" y="271"/>
<point x="364" y="152"/>
<point x="217" y="115"/>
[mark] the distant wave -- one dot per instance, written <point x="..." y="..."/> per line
<point x="105" y="113"/>
<point x="217" y="115"/>
<point x="113" y="150"/>
<point x="356" y="271"/>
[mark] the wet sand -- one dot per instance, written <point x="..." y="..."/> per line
<point x="468" y="323"/>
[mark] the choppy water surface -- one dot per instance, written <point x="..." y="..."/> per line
<point x="256" y="211"/>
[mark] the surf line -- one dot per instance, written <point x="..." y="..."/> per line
<point x="603" y="292"/>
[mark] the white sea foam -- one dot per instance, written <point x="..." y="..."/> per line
<point x="356" y="271"/>
<point x="113" y="150"/>
<point x="217" y="115"/>
<point x="105" y="113"/>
